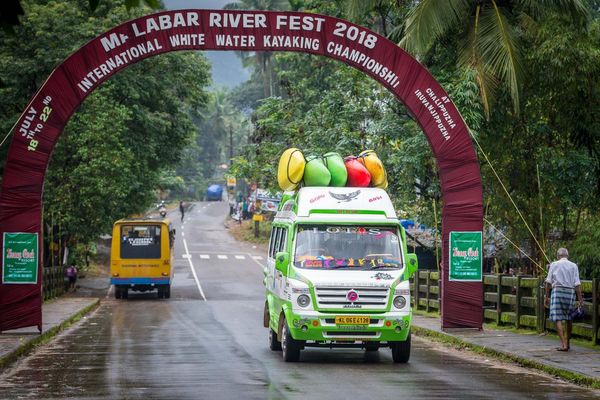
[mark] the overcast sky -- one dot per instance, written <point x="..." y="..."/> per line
<point x="227" y="69"/>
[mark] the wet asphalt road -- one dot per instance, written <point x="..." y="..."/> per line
<point x="191" y="348"/>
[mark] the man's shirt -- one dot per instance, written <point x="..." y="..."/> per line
<point x="563" y="273"/>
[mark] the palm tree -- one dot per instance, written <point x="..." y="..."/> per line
<point x="490" y="32"/>
<point x="260" y="60"/>
<point x="358" y="10"/>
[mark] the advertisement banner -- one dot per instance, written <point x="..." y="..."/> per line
<point x="19" y="258"/>
<point x="466" y="258"/>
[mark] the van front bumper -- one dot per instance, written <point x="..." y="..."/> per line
<point x="317" y="326"/>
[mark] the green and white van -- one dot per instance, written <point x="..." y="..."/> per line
<point x="337" y="273"/>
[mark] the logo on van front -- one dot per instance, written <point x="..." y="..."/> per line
<point x="345" y="197"/>
<point x="352" y="296"/>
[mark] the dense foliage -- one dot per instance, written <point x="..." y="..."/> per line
<point x="128" y="136"/>
<point x="530" y="106"/>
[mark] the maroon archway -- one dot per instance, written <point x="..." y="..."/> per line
<point x="42" y="122"/>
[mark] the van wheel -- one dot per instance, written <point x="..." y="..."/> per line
<point x="290" y="347"/>
<point x="167" y="291"/>
<point x="401" y="350"/>
<point x="274" y="344"/>
<point x="124" y="292"/>
<point x="161" y="292"/>
<point x="117" y="292"/>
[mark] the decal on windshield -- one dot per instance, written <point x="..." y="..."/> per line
<point x="330" y="262"/>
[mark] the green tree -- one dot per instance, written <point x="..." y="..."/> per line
<point x="489" y="36"/>
<point x="125" y="139"/>
<point x="259" y="60"/>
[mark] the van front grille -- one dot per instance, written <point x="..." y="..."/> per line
<point x="336" y="297"/>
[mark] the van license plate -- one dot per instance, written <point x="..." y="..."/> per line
<point x="352" y="320"/>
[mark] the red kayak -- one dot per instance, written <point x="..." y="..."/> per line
<point x="358" y="175"/>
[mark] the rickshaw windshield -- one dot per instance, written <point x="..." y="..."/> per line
<point x="347" y="247"/>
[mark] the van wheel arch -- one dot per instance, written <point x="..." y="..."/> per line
<point x="281" y="322"/>
<point x="266" y="315"/>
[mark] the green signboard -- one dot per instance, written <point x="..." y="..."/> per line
<point x="466" y="256"/>
<point x="20" y="258"/>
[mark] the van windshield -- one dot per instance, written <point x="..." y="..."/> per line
<point x="140" y="241"/>
<point x="347" y="247"/>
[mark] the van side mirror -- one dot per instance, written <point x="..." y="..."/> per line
<point x="412" y="264"/>
<point x="282" y="259"/>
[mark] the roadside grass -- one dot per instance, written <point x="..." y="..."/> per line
<point x="30" y="345"/>
<point x="244" y="232"/>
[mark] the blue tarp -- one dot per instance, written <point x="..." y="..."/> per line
<point x="407" y="223"/>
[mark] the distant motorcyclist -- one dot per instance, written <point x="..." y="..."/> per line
<point x="162" y="210"/>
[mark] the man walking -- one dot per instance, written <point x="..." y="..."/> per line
<point x="563" y="279"/>
<point x="181" y="210"/>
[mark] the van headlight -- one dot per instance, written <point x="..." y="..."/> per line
<point x="303" y="300"/>
<point x="399" y="302"/>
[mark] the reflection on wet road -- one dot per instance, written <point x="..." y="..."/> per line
<point x="188" y="348"/>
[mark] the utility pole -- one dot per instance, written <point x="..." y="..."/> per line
<point x="230" y="146"/>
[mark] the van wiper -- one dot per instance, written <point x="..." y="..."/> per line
<point x="378" y="266"/>
<point x="335" y="266"/>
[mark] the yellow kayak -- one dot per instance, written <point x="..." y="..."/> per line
<point x="375" y="167"/>
<point x="291" y="169"/>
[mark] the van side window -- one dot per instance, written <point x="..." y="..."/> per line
<point x="282" y="240"/>
<point x="272" y="241"/>
<point x="276" y="236"/>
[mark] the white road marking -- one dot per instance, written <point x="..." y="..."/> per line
<point x="204" y="256"/>
<point x="189" y="258"/>
<point x="186" y="256"/>
<point x="240" y="257"/>
<point x="182" y="234"/>
<point x="222" y="257"/>
<point x="255" y="259"/>
<point x="110" y="289"/>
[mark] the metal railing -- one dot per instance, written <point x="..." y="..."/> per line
<point x="514" y="301"/>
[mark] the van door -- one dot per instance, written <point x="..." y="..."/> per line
<point x="280" y="279"/>
<point x="270" y="283"/>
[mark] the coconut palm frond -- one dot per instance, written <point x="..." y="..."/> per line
<point x="430" y="20"/>
<point x="499" y="51"/>
<point x="528" y="23"/>
<point x="470" y="58"/>
<point x="579" y="10"/>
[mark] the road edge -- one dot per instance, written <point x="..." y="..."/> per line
<point x="460" y="344"/>
<point x="28" y="346"/>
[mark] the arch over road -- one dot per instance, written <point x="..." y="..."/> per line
<point x="41" y="124"/>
